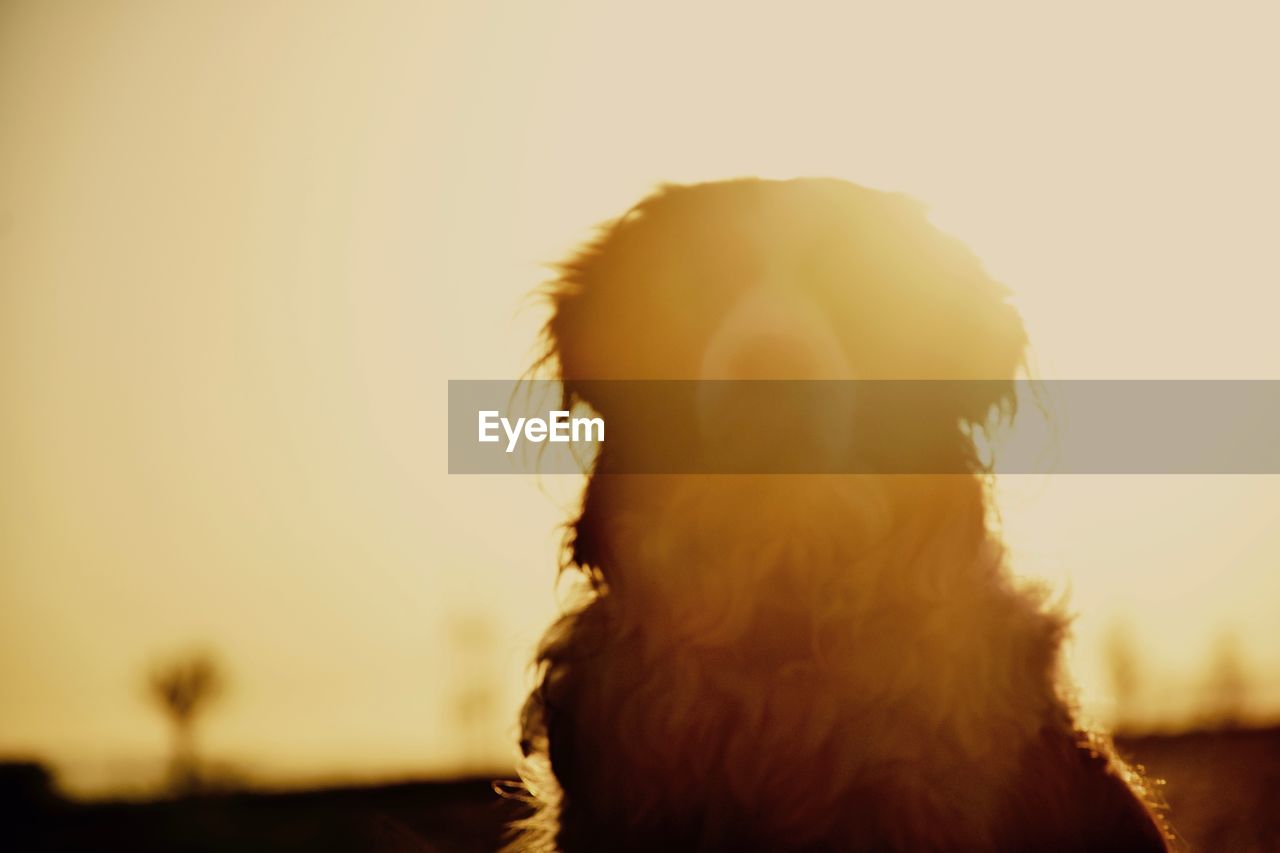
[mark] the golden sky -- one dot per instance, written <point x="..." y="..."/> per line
<point x="244" y="245"/>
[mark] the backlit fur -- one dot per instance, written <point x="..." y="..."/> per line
<point x="804" y="663"/>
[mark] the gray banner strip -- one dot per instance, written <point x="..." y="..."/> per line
<point x="881" y="426"/>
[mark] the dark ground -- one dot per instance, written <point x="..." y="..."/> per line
<point x="1223" y="790"/>
<point x="425" y="817"/>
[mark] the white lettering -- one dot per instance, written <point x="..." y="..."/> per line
<point x="486" y="424"/>
<point x="559" y="428"/>
<point x="588" y="425"/>
<point x="513" y="435"/>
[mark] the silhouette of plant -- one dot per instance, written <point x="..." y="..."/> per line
<point x="1228" y="684"/>
<point x="1123" y="668"/>
<point x="183" y="688"/>
<point x="475" y="698"/>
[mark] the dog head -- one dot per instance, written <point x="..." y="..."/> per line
<point x="783" y="280"/>
<point x="805" y="279"/>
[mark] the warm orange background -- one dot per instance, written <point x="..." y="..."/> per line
<point x="243" y="245"/>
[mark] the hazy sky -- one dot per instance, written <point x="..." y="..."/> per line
<point x="244" y="245"/>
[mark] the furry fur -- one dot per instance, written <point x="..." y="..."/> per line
<point x="804" y="663"/>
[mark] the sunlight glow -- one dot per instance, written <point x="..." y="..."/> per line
<point x="243" y="247"/>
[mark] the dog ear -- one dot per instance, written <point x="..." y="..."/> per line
<point x="567" y="338"/>
<point x="579" y="345"/>
<point x="986" y="350"/>
<point x="969" y="330"/>
<point x="574" y="337"/>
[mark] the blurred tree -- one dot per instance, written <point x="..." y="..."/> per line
<point x="1123" y="669"/>
<point x="475" y="698"/>
<point x="183" y="688"/>
<point x="1228" y="684"/>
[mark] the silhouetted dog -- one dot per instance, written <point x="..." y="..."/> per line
<point x="803" y="663"/>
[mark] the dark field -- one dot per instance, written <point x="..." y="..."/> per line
<point x="1223" y="790"/>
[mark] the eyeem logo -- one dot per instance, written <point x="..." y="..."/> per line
<point x="558" y="428"/>
<point x="785" y="427"/>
